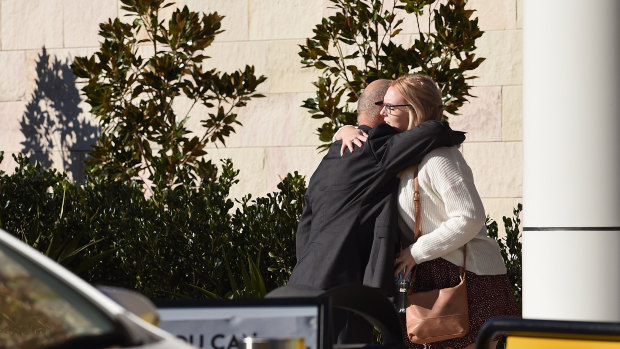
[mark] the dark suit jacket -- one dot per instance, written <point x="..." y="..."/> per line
<point x="348" y="231"/>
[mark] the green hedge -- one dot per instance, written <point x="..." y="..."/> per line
<point x="184" y="242"/>
<point x="510" y="247"/>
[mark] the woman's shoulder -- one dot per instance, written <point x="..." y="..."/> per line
<point x="444" y="162"/>
<point x="443" y="154"/>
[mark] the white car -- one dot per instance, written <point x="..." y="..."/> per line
<point x="43" y="305"/>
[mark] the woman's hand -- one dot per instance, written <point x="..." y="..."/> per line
<point x="404" y="259"/>
<point x="349" y="136"/>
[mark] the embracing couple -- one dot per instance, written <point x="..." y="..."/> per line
<point x="358" y="219"/>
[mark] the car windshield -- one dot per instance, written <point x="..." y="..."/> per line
<point x="38" y="310"/>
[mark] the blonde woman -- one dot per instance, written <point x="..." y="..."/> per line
<point x="452" y="215"/>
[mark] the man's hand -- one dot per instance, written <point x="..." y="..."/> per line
<point x="404" y="259"/>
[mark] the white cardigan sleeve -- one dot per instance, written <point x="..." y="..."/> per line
<point x="453" y="204"/>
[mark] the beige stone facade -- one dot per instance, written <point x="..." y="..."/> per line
<point x="39" y="38"/>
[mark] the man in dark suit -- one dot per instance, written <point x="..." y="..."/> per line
<point x="348" y="231"/>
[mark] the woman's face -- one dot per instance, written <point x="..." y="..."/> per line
<point x="395" y="110"/>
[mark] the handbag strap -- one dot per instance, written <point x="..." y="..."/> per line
<point x="417" y="226"/>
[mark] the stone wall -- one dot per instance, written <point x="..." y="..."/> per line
<point x="41" y="111"/>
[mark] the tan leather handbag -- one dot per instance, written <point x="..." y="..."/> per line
<point x="440" y="314"/>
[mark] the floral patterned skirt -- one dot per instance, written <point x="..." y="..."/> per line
<point x="488" y="296"/>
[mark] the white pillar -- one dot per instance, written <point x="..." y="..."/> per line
<point x="571" y="156"/>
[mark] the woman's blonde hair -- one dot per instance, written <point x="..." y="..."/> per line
<point x="424" y="96"/>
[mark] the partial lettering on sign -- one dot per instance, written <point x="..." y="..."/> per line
<point x="226" y="327"/>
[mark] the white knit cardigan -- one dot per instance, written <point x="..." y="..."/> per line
<point x="452" y="214"/>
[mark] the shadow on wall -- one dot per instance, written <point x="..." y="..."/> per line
<point x="55" y="131"/>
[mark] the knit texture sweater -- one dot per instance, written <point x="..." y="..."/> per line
<point x="452" y="214"/>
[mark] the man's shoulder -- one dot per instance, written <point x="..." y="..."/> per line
<point x="429" y="128"/>
<point x="382" y="129"/>
<point x="334" y="148"/>
<point x="380" y="137"/>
